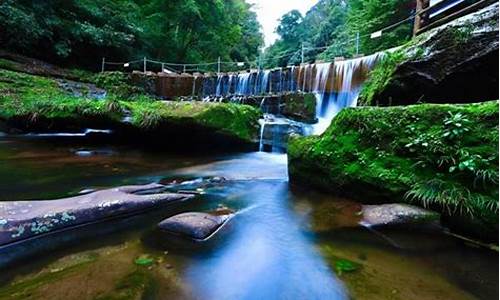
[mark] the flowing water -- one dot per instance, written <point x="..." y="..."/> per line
<point x="285" y="242"/>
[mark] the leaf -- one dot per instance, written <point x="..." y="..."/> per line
<point x="144" y="261"/>
<point x="344" y="265"/>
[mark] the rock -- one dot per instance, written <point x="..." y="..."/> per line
<point x="21" y="220"/>
<point x="299" y="107"/>
<point x="374" y="155"/>
<point x="276" y="131"/>
<point x="195" y="225"/>
<point x="456" y="62"/>
<point x="395" y="214"/>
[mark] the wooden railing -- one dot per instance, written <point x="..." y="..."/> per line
<point x="429" y="15"/>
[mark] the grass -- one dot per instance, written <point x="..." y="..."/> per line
<point x="31" y="98"/>
<point x="443" y="157"/>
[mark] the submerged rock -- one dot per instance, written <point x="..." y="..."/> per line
<point x="395" y="214"/>
<point x="21" y="220"/>
<point x="195" y="225"/>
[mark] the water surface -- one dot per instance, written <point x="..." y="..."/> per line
<point x="284" y="242"/>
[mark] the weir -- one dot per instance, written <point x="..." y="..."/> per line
<point x="335" y="84"/>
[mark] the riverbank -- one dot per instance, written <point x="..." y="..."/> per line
<point x="444" y="157"/>
<point x="30" y="103"/>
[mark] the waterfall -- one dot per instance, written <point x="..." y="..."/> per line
<point x="336" y="85"/>
<point x="340" y="89"/>
<point x="242" y="85"/>
<point x="263" y="81"/>
<point x="262" y="128"/>
<point x="220" y="86"/>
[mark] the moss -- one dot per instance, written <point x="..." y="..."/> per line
<point x="227" y="118"/>
<point x="25" y="288"/>
<point x="31" y="98"/>
<point x="381" y="76"/>
<point x="300" y="107"/>
<point x="139" y="284"/>
<point x="439" y="156"/>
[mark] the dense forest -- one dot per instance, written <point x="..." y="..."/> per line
<point x="330" y="28"/>
<point x="80" y="32"/>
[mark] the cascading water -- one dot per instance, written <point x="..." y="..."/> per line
<point x="243" y="84"/>
<point x="264" y="81"/>
<point x="336" y="85"/>
<point x="340" y="89"/>
<point x="219" y="90"/>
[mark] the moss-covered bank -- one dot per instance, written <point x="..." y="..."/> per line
<point x="35" y="103"/>
<point x="440" y="156"/>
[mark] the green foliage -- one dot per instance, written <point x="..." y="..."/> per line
<point x="81" y="32"/>
<point x="31" y="98"/>
<point x="116" y="83"/>
<point x="144" y="260"/>
<point x="440" y="156"/>
<point x="380" y="77"/>
<point x="345" y="266"/>
<point x="332" y="25"/>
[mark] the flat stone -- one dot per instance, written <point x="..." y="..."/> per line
<point x="195" y="225"/>
<point x="395" y="214"/>
<point x="21" y="220"/>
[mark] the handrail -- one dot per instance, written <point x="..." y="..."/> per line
<point x="423" y="22"/>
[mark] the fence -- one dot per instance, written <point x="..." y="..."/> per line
<point x="428" y="14"/>
<point x="433" y="13"/>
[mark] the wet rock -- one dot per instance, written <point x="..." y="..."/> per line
<point x="21" y="220"/>
<point x="195" y="225"/>
<point x="456" y="62"/>
<point x="299" y="107"/>
<point x="395" y="214"/>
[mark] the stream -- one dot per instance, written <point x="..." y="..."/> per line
<point x="284" y="243"/>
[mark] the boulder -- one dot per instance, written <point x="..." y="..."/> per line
<point x="396" y="214"/>
<point x="195" y="225"/>
<point x="20" y="220"/>
<point x="454" y="63"/>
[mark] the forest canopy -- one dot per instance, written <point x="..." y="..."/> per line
<point x="332" y="26"/>
<point x="81" y="32"/>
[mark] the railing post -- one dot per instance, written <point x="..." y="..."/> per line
<point x="218" y="65"/>
<point x="145" y="64"/>
<point x="162" y="67"/>
<point x="357" y="43"/>
<point x="184" y="69"/>
<point x="302" y="54"/>
<point x="102" y="65"/>
<point x="420" y="19"/>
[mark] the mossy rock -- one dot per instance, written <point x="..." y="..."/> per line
<point x="453" y="63"/>
<point x="443" y="157"/>
<point x="35" y="103"/>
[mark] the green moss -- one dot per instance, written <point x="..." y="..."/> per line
<point x="381" y="76"/>
<point x="139" y="284"/>
<point x="300" y="107"/>
<point x="30" y="98"/>
<point x="227" y="118"/>
<point x="25" y="288"/>
<point x="439" y="156"/>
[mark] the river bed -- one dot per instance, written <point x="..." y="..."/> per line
<point x="285" y="242"/>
